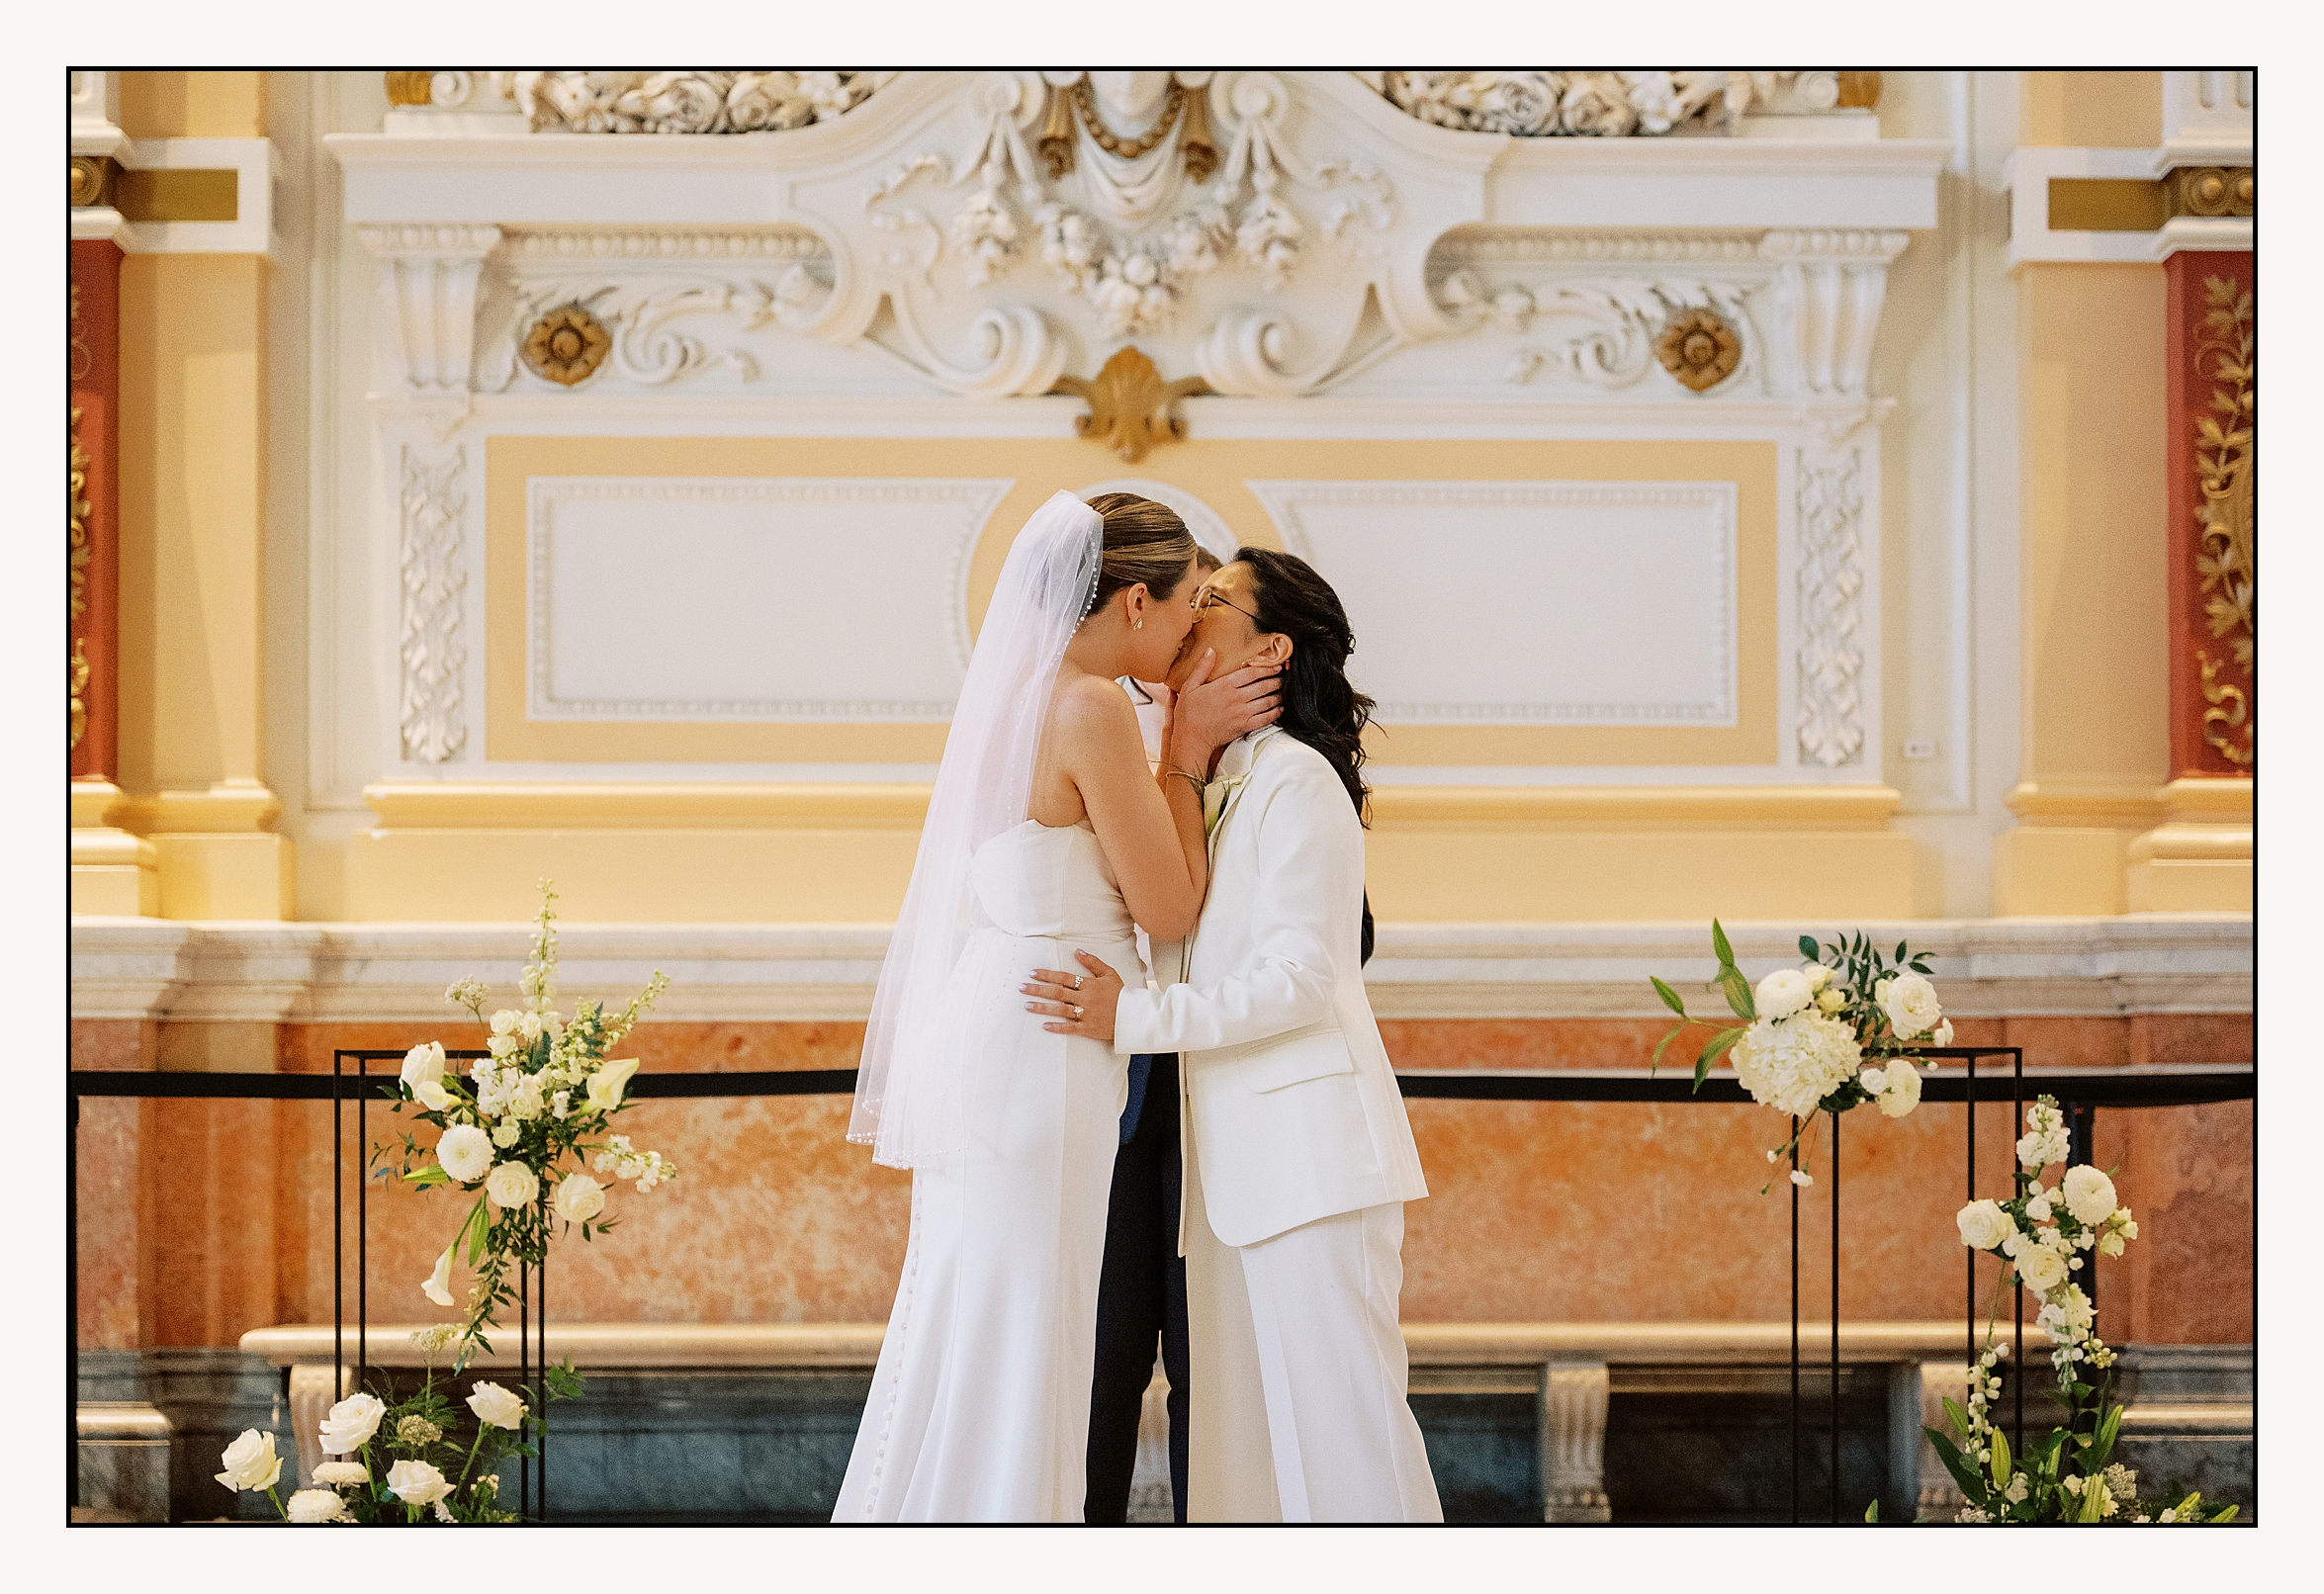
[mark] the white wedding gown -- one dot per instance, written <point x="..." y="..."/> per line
<point x="980" y="1405"/>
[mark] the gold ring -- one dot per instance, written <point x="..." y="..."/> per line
<point x="1077" y="1012"/>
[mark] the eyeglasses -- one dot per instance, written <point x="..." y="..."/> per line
<point x="1209" y="596"/>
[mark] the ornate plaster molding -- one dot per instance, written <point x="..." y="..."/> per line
<point x="1830" y="614"/>
<point x="431" y="725"/>
<point x="687" y="100"/>
<point x="1551" y="103"/>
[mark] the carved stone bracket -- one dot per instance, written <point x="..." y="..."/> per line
<point x="1829" y="290"/>
<point x="427" y="299"/>
<point x="1574" y="1395"/>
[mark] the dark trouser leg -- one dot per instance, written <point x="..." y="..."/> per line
<point x="1129" y="1309"/>
<point x="1162" y="1109"/>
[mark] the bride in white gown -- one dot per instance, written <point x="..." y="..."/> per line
<point x="1047" y="832"/>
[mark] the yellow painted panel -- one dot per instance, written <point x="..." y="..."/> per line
<point x="2090" y="110"/>
<point x="123" y="889"/>
<point x="765" y="806"/>
<point x="2048" y="871"/>
<point x="193" y="105"/>
<point x="1633" y="875"/>
<point x="676" y="876"/>
<point x="1213" y="470"/>
<point x="2093" y="525"/>
<point x="225" y="876"/>
<point x="2190" y="886"/>
<point x="193" y="486"/>
<point x="860" y="875"/>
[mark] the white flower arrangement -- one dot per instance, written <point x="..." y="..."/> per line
<point x="528" y="1116"/>
<point x="1807" y="1032"/>
<point x="402" y="1461"/>
<point x="2065" y="1477"/>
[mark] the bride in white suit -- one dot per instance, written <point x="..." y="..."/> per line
<point x="1046" y="830"/>
<point x="1299" y="1158"/>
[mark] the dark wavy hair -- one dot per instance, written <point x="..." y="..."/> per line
<point x="1319" y="707"/>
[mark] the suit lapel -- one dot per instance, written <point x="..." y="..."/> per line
<point x="1240" y="758"/>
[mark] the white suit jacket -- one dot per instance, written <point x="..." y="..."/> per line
<point x="1287" y="1088"/>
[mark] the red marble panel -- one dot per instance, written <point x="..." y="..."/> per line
<point x="1538" y="1210"/>
<point x="115" y="1043"/>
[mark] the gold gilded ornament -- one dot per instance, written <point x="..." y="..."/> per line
<point x="1699" y="349"/>
<point x="1130" y="404"/>
<point x="566" y="345"/>
<point x="78" y="710"/>
<point x="408" y="88"/>
<point x="1056" y="142"/>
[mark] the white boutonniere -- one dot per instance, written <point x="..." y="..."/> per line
<point x="1215" y="797"/>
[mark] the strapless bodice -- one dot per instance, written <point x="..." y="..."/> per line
<point x="1049" y="880"/>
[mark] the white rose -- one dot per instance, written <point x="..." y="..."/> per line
<point x="580" y="1198"/>
<point x="424" y="1062"/>
<point x="2041" y="1268"/>
<point x="1873" y="1080"/>
<point x="318" y="1505"/>
<point x="495" y="1406"/>
<point x="416" y="1483"/>
<point x="512" y="1185"/>
<point x="529" y="1026"/>
<point x="251" y="1462"/>
<point x="340" y="1475"/>
<point x="438" y="1285"/>
<point x="2090" y="1195"/>
<point x="1830" y="999"/>
<point x="607" y="1084"/>
<point x="431" y="1095"/>
<point x="525" y="1102"/>
<point x="1984" y="1225"/>
<point x="351" y="1423"/>
<point x="507" y="1020"/>
<point x="1818" y="975"/>
<point x="466" y="1152"/>
<point x="1899" y="1094"/>
<point x="506" y="1134"/>
<point x="1782" y="994"/>
<point x="1911" y="1004"/>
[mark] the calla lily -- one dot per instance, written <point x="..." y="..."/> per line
<point x="608" y="1083"/>
<point x="431" y="1095"/>
<point x="436" y="1286"/>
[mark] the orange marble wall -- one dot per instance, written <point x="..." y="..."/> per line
<point x="1537" y="1211"/>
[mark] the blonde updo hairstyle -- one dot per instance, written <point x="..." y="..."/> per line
<point x="1144" y="541"/>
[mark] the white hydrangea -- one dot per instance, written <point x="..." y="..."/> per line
<point x="1791" y="1064"/>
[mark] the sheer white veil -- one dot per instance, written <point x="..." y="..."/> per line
<point x="909" y="1104"/>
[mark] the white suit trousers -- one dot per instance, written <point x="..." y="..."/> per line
<point x="1298" y="1410"/>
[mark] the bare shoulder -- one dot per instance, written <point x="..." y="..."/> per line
<point x="1093" y="709"/>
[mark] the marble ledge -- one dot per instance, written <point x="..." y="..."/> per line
<point x="856" y="1345"/>
<point x="350" y="973"/>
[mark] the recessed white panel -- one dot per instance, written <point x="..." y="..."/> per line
<point x="1528" y="603"/>
<point x="681" y="598"/>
